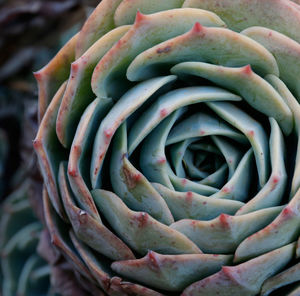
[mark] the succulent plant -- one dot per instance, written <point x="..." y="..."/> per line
<point x="23" y="271"/>
<point x="169" y="147"/>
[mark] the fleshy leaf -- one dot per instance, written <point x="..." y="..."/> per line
<point x="286" y="277"/>
<point x="295" y="107"/>
<point x="51" y="77"/>
<point x="224" y="233"/>
<point x="88" y="229"/>
<point x="79" y="93"/>
<point x="99" y="23"/>
<point x="185" y="185"/>
<point x="230" y="152"/>
<point x="170" y="102"/>
<point x="202" y="125"/>
<point x="279" y="15"/>
<point x="49" y="150"/>
<point x="286" y="52"/>
<point x="100" y="269"/>
<point x="272" y="192"/>
<point x="171" y="272"/>
<point x="212" y="45"/>
<point x="237" y="187"/>
<point x="78" y="157"/>
<point x="283" y="230"/>
<point x="159" y="26"/>
<point x="59" y="238"/>
<point x="129" y="102"/>
<point x="243" y="279"/>
<point x="252" y="129"/>
<point x="191" y="205"/>
<point x="251" y="87"/>
<point x="153" y="158"/>
<point x="139" y="229"/>
<point x="132" y="187"/>
<point x="126" y="11"/>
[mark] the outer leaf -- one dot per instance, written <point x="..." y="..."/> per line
<point x="212" y="45"/>
<point x="78" y="172"/>
<point x="79" y="93"/>
<point x="51" y="76"/>
<point x="224" y="233"/>
<point x="243" y="279"/>
<point x="283" y="230"/>
<point x="100" y="269"/>
<point x="126" y="11"/>
<point x="99" y="23"/>
<point x="96" y="235"/>
<point x="286" y="277"/>
<point x="159" y="27"/>
<point x="140" y="230"/>
<point x="171" y="272"/>
<point x="280" y="15"/>
<point x="49" y="150"/>
<point x="286" y="52"/>
<point x="60" y="238"/>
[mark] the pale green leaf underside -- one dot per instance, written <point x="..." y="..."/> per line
<point x="245" y="278"/>
<point x="171" y="272"/>
<point x="139" y="229"/>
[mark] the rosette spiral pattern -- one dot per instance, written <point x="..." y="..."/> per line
<point x="169" y="147"/>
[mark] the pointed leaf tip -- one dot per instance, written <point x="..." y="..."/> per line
<point x="139" y="17"/>
<point x="37" y="75"/>
<point x="247" y="70"/>
<point x="197" y="28"/>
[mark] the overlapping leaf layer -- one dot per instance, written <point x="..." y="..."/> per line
<point x="169" y="146"/>
<point x="23" y="271"/>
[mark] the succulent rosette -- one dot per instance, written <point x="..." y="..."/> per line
<point x="23" y="271"/>
<point x="169" y="147"/>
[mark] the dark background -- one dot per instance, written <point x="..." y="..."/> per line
<point x="31" y="32"/>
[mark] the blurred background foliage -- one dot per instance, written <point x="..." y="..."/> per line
<point x="31" y="32"/>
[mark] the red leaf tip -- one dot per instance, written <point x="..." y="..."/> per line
<point x="275" y="179"/>
<point x="251" y="133"/>
<point x="189" y="196"/>
<point x="183" y="182"/>
<point x="197" y="28"/>
<point x="153" y="260"/>
<point x="225" y="220"/>
<point x="142" y="219"/>
<point x="227" y="270"/>
<point x="288" y="212"/>
<point x="38" y="75"/>
<point x="247" y="70"/>
<point x="161" y="160"/>
<point x="74" y="67"/>
<point x="163" y="112"/>
<point x="139" y="17"/>
<point x="36" y="143"/>
<point x="226" y="190"/>
<point x="72" y="172"/>
<point x="83" y="217"/>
